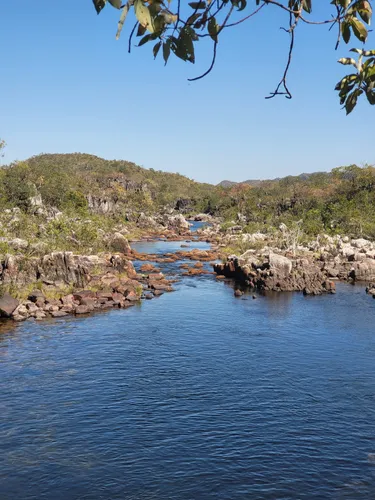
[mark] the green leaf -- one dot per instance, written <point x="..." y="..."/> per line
<point x="345" y="31"/>
<point x="351" y="101"/>
<point x="359" y="29"/>
<point x="197" y="5"/>
<point x="156" y="49"/>
<point x="346" y="81"/>
<point x="307" y="7"/>
<point x="364" y="9"/>
<point x="357" y="51"/>
<point x="143" y="15"/>
<point x="213" y="28"/>
<point x="99" y="5"/>
<point x="141" y="30"/>
<point x="370" y="74"/>
<point x="370" y="94"/>
<point x="191" y="20"/>
<point x="116" y="3"/>
<point x="347" y="60"/>
<point x="146" y="38"/>
<point x="344" y="3"/>
<point x="166" y="50"/>
<point x="183" y="47"/>
<point x="241" y="4"/>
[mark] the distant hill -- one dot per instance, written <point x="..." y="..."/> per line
<point x="260" y="182"/>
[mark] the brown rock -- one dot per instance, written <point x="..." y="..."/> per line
<point x="89" y="302"/>
<point x="58" y="314"/>
<point x="127" y="304"/>
<point x="147" y="268"/>
<point x="40" y="302"/>
<point x="132" y="297"/>
<point x="68" y="308"/>
<point x="32" y="308"/>
<point x="19" y="317"/>
<point x="7" y="305"/>
<point x="119" y="243"/>
<point x="84" y="294"/>
<point x="329" y="286"/>
<point x="108" y="304"/>
<point x="82" y="310"/>
<point x="51" y="308"/>
<point x="156" y="276"/>
<point x="67" y="299"/>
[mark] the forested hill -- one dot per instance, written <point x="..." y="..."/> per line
<point x="66" y="179"/>
<point x="342" y="200"/>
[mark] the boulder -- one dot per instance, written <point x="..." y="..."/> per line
<point x="132" y="297"/>
<point x="8" y="305"/>
<point x="176" y="222"/>
<point x="118" y="243"/>
<point x="363" y="271"/>
<point x="148" y="222"/>
<point x="281" y="265"/>
<point x="82" y="309"/>
<point x="58" y="314"/>
<point x="361" y="243"/>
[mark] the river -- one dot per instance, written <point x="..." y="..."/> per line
<point x="193" y="395"/>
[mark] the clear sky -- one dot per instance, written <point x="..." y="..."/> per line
<point x="68" y="86"/>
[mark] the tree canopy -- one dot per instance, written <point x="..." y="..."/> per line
<point x="174" y="28"/>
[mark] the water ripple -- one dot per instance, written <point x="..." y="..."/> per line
<point x="196" y="395"/>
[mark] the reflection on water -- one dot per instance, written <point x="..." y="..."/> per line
<point x="195" y="395"/>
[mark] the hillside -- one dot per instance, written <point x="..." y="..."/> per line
<point x="341" y="201"/>
<point x="65" y="180"/>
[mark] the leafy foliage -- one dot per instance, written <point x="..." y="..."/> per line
<point x="341" y="201"/>
<point x="178" y="30"/>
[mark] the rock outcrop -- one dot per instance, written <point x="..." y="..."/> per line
<point x="277" y="273"/>
<point x="61" y="267"/>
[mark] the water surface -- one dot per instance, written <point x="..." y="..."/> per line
<point x="194" y="395"/>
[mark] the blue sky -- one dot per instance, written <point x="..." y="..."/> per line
<point x="67" y="85"/>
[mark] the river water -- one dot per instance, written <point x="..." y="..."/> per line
<point x="194" y="395"/>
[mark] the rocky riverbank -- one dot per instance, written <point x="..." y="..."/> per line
<point x="66" y="283"/>
<point x="56" y="284"/>
<point x="271" y="264"/>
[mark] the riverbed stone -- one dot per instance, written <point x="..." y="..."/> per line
<point x="82" y="310"/>
<point x="8" y="304"/>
